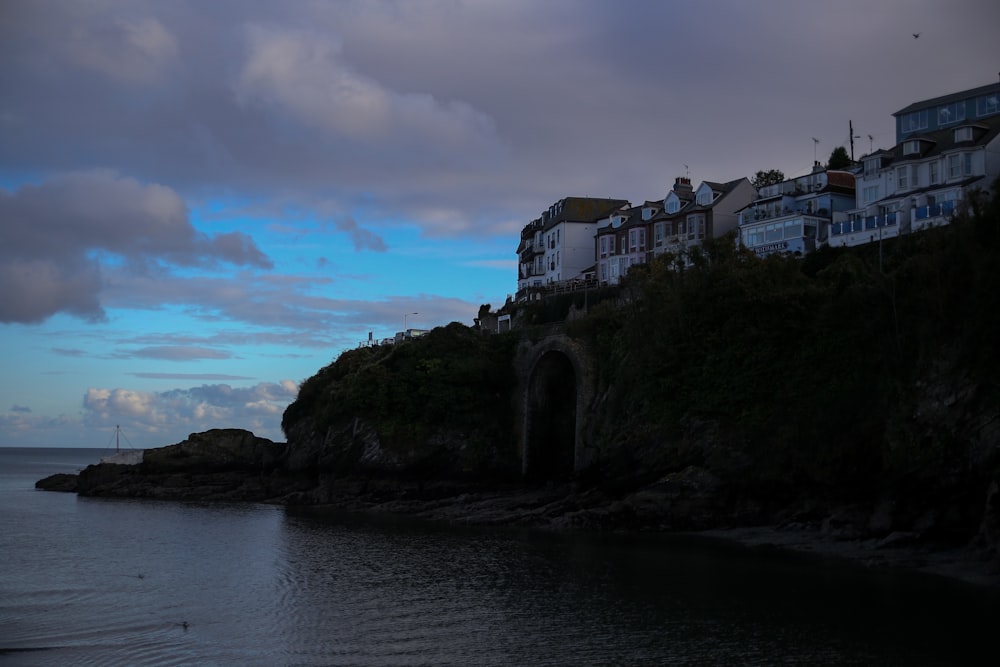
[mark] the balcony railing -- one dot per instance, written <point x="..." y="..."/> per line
<point x="945" y="208"/>
<point x="863" y="224"/>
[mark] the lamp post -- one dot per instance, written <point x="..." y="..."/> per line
<point x="405" y="315"/>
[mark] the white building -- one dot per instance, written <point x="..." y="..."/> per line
<point x="946" y="146"/>
<point x="794" y="216"/>
<point x="558" y="247"/>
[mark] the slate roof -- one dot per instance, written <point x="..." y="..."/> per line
<point x="951" y="97"/>
<point x="984" y="131"/>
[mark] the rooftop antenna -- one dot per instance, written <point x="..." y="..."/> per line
<point x="871" y="141"/>
<point x="850" y="127"/>
<point x="815" y="144"/>
<point x="687" y="172"/>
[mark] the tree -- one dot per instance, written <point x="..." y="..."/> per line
<point x="769" y="177"/>
<point x="838" y="159"/>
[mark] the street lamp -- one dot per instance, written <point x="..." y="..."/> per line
<point x="405" y="315"/>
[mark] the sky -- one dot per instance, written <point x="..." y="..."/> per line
<point x="204" y="203"/>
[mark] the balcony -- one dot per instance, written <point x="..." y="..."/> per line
<point x="944" y="209"/>
<point x="863" y="224"/>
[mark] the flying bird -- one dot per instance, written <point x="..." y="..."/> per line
<point x="916" y="35"/>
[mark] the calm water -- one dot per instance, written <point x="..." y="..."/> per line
<point x="113" y="582"/>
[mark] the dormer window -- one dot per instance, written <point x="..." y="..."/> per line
<point x="914" y="121"/>
<point x="987" y="105"/>
<point x="704" y="197"/>
<point x="911" y="148"/>
<point x="951" y="113"/>
<point x="672" y="204"/>
<point x="963" y="134"/>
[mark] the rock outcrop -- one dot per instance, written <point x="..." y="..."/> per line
<point x="221" y="464"/>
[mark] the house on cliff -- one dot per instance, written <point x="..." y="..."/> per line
<point x="946" y="146"/>
<point x="679" y="222"/>
<point x="620" y="241"/>
<point x="795" y="216"/>
<point x="711" y="211"/>
<point x="558" y="247"/>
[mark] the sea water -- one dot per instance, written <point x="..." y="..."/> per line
<point x="86" y="581"/>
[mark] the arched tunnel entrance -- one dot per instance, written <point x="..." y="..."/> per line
<point x="550" y="444"/>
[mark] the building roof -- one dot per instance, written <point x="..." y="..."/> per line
<point x="984" y="131"/>
<point x="580" y="209"/>
<point x="951" y="97"/>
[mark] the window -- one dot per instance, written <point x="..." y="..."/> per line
<point x="954" y="166"/>
<point x="967" y="164"/>
<point x="951" y="113"/>
<point x="696" y="226"/>
<point x="604" y="246"/>
<point x="935" y="171"/>
<point x="633" y="239"/>
<point x="963" y="134"/>
<point x="658" y="234"/>
<point x="901" y="180"/>
<point x="871" y="193"/>
<point x="914" y="121"/>
<point x="915" y="175"/>
<point x="672" y="204"/>
<point x="793" y="228"/>
<point x="872" y="166"/>
<point x="623" y="245"/>
<point x="911" y="148"/>
<point x="704" y="197"/>
<point x="987" y="104"/>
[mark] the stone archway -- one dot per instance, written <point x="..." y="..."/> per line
<point x="551" y="418"/>
<point x="556" y="387"/>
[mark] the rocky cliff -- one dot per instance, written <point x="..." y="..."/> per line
<point x="852" y="397"/>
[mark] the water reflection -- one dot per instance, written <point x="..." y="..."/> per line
<point x="385" y="592"/>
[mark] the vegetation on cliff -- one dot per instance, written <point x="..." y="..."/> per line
<point x="453" y="382"/>
<point x="857" y="375"/>
<point x="853" y="374"/>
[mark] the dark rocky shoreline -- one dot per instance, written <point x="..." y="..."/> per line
<point x="235" y="465"/>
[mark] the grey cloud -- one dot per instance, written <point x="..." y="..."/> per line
<point x="176" y="353"/>
<point x="465" y="116"/>
<point x="55" y="235"/>
<point x="190" y="376"/>
<point x="363" y="239"/>
<point x="35" y="289"/>
<point x="131" y="51"/>
<point x="20" y="408"/>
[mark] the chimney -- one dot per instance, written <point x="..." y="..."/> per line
<point x="682" y="184"/>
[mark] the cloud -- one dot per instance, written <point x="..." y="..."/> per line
<point x="20" y="408"/>
<point x="132" y="51"/>
<point x="363" y="239"/>
<point x="176" y="353"/>
<point x="58" y="238"/>
<point x="302" y="75"/>
<point x="189" y="376"/>
<point x="170" y="413"/>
